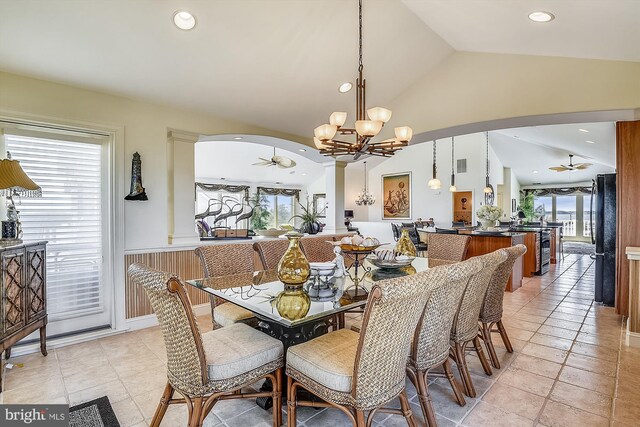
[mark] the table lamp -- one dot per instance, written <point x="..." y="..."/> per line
<point x="14" y="182"/>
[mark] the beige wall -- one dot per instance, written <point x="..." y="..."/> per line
<point x="145" y="130"/>
<point x="477" y="87"/>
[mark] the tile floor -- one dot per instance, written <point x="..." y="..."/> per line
<point x="569" y="369"/>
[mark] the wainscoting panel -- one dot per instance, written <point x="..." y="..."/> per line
<point x="184" y="263"/>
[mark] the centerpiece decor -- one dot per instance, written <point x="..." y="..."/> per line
<point x="310" y="218"/>
<point x="293" y="270"/>
<point x="405" y="246"/>
<point x="488" y="215"/>
<point x="364" y="130"/>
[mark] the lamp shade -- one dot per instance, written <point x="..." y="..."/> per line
<point x="319" y="144"/>
<point x="369" y="128"/>
<point x="453" y="188"/>
<point x="434" y="184"/>
<point x="404" y="133"/>
<point x="379" y="114"/>
<point x="325" y="132"/>
<point x="13" y="178"/>
<point x="337" y="118"/>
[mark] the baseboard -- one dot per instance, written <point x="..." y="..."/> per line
<point x="150" y="320"/>
<point x="632" y="339"/>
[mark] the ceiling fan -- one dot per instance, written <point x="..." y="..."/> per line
<point x="280" y="161"/>
<point x="571" y="166"/>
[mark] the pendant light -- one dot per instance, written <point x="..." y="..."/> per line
<point x="488" y="189"/>
<point x="434" y="183"/>
<point x="365" y="198"/>
<point x="453" y="188"/>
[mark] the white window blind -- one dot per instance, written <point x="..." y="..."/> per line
<point x="68" y="216"/>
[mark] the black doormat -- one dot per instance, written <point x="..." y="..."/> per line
<point x="95" y="413"/>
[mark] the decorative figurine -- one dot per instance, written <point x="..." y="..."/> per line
<point x="341" y="270"/>
<point x="137" y="190"/>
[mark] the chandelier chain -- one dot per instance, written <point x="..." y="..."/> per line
<point x="487" y="148"/>
<point x="360" y="66"/>
<point x="452" y="155"/>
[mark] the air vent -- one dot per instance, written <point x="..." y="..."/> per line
<point x="462" y="166"/>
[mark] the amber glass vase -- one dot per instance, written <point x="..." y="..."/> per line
<point x="405" y="246"/>
<point x="293" y="268"/>
<point x="293" y="303"/>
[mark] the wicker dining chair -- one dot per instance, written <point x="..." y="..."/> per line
<point x="362" y="372"/>
<point x="491" y="312"/>
<point x="224" y="260"/>
<point x="465" y="325"/>
<point x="270" y="252"/>
<point x="452" y="247"/>
<point x="430" y="348"/>
<point x="318" y="248"/>
<point x="216" y="365"/>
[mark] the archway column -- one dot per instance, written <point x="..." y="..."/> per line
<point x="334" y="180"/>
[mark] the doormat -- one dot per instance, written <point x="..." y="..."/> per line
<point x="95" y="413"/>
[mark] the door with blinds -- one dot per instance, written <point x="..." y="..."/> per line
<point x="72" y="170"/>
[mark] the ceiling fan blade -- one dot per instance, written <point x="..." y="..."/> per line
<point x="560" y="168"/>
<point x="582" y="166"/>
<point x="283" y="162"/>
<point x="261" y="164"/>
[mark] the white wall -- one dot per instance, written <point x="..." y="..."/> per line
<point x="510" y="189"/>
<point x="353" y="184"/>
<point x="417" y="159"/>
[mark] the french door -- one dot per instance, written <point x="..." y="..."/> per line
<point x="72" y="215"/>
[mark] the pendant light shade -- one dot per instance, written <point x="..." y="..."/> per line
<point x="379" y="114"/>
<point x="403" y="133"/>
<point x="325" y="132"/>
<point x="337" y="118"/>
<point x="453" y="188"/>
<point x="434" y="183"/>
<point x="368" y="128"/>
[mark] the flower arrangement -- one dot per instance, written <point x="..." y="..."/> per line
<point x="489" y="212"/>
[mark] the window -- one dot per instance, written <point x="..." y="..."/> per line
<point x="566" y="213"/>
<point x="281" y="209"/>
<point x="69" y="215"/>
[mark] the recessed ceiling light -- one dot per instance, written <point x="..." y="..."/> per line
<point x="534" y="171"/>
<point x="345" y="87"/>
<point x="184" y="20"/>
<point x="590" y="142"/>
<point x="237" y="138"/>
<point x="583" y="130"/>
<point x="302" y="150"/>
<point x="304" y="174"/>
<point x="541" y="16"/>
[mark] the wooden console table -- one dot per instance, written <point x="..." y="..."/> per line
<point x="23" y="294"/>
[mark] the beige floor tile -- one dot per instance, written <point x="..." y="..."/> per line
<point x="21" y="377"/>
<point x="559" y="415"/>
<point x="544" y="352"/>
<point x="522" y="324"/>
<point x="591" y="364"/>
<point x="114" y="390"/>
<point x="36" y="360"/>
<point x="551" y="341"/>
<point x="526" y="381"/>
<point x="581" y="398"/>
<point x="85" y="350"/>
<point x="596" y="351"/>
<point x="148" y="402"/>
<point x="528" y="317"/>
<point x="83" y="364"/>
<point x="627" y="411"/>
<point x="605" y="340"/>
<point x="557" y="332"/>
<point x="127" y="413"/>
<point x="46" y="391"/>
<point x="484" y="414"/>
<point x="564" y="324"/>
<point x="139" y="384"/>
<point x="87" y="379"/>
<point x="590" y="380"/>
<point x="513" y="400"/>
<point x="520" y="334"/>
<point x="537" y="366"/>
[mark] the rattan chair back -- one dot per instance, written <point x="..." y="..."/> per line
<point x="186" y="364"/>
<point x="465" y="325"/>
<point x="318" y="248"/>
<point x="492" y="305"/>
<point x="225" y="259"/>
<point x="452" y="247"/>
<point x="390" y="318"/>
<point x="270" y="252"/>
<point x="431" y="342"/>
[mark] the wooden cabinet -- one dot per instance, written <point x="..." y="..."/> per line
<point x="484" y="244"/>
<point x="22" y="294"/>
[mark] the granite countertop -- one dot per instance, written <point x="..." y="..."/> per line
<point x="495" y="233"/>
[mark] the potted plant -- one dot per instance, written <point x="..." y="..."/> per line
<point x="488" y="215"/>
<point x="261" y="215"/>
<point x="309" y="218"/>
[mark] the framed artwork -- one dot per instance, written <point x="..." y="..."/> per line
<point x="396" y="196"/>
<point x="320" y="204"/>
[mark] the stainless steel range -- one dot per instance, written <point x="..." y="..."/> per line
<point x="545" y="251"/>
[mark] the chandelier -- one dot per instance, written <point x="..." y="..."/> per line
<point x="364" y="130"/>
<point x="365" y="198"/>
<point x="488" y="189"/>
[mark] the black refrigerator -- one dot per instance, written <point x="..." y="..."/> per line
<point x="603" y="210"/>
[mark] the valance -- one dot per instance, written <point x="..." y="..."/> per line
<point x="225" y="187"/>
<point x="279" y="191"/>
<point x="555" y="191"/>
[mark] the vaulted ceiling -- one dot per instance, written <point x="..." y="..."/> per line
<point x="278" y="63"/>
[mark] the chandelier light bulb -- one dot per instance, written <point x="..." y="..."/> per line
<point x="453" y="189"/>
<point x="487" y="190"/>
<point x="368" y="128"/>
<point x="404" y="133"/>
<point x="325" y="132"/>
<point x="379" y="114"/>
<point x="434" y="184"/>
<point x="338" y="118"/>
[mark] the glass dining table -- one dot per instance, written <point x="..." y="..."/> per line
<point x="257" y="292"/>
